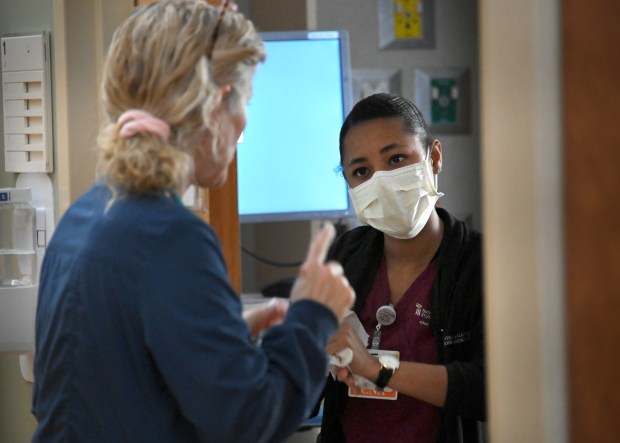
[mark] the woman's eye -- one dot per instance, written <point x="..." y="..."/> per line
<point x="359" y="172"/>
<point x="396" y="159"/>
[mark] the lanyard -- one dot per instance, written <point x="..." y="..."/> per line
<point x="386" y="315"/>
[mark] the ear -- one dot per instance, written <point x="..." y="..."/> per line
<point x="436" y="156"/>
<point x="222" y="93"/>
<point x="220" y="101"/>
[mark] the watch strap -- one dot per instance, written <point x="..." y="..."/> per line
<point x="385" y="373"/>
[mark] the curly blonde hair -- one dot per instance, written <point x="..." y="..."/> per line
<point x="157" y="62"/>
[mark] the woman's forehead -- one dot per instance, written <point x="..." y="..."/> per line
<point x="377" y="134"/>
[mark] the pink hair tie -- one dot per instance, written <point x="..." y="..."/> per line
<point x="134" y="121"/>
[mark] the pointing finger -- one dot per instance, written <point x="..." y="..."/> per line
<point x="320" y="245"/>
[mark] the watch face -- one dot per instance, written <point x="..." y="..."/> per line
<point x="390" y="361"/>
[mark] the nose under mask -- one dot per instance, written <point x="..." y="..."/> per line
<point x="399" y="202"/>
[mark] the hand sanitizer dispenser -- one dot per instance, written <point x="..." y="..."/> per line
<point x="27" y="210"/>
<point x="18" y="271"/>
<point x="18" y="275"/>
<point x="26" y="225"/>
<point x="18" y="257"/>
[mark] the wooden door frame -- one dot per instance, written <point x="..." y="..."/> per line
<point x="591" y="68"/>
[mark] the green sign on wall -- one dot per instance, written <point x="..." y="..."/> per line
<point x="444" y="100"/>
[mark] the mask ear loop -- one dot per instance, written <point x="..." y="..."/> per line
<point x="427" y="158"/>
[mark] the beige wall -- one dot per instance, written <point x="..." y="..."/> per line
<point x="522" y="207"/>
<point x="82" y="29"/>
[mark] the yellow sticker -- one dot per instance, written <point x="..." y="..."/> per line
<point x="408" y="18"/>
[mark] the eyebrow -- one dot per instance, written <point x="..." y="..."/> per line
<point x="383" y="150"/>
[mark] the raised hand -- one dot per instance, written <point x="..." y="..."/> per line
<point x="323" y="282"/>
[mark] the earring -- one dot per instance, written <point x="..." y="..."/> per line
<point x="438" y="171"/>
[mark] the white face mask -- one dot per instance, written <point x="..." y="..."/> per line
<point x="399" y="202"/>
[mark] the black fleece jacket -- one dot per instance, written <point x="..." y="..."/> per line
<point x="456" y="324"/>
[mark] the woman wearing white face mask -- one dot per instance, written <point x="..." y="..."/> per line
<point x="417" y="273"/>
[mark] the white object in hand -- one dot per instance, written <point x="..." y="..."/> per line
<point x="342" y="358"/>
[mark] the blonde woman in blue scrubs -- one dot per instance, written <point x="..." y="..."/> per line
<point x="140" y="336"/>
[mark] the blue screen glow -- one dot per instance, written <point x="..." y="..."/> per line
<point x="288" y="155"/>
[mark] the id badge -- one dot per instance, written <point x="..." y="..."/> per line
<point x="385" y="394"/>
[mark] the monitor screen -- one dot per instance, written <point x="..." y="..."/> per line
<point x="287" y="156"/>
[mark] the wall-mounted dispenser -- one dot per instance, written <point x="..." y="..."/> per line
<point x="18" y="269"/>
<point x="27" y="210"/>
<point x="26" y="87"/>
<point x="18" y="255"/>
<point x="26" y="225"/>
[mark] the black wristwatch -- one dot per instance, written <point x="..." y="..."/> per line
<point x="389" y="364"/>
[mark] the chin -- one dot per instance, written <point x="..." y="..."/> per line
<point x="212" y="181"/>
<point x="219" y="182"/>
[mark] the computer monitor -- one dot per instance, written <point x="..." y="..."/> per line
<point x="287" y="157"/>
